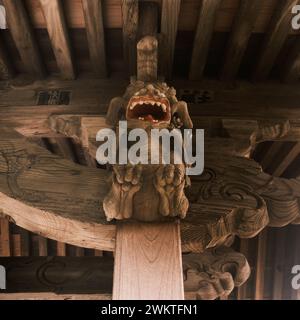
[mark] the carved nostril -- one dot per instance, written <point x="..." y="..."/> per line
<point x="150" y="88"/>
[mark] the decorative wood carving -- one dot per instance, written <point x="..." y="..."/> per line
<point x="148" y="105"/>
<point x="208" y="275"/>
<point x="214" y="273"/>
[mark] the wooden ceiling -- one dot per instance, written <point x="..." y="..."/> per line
<point x="220" y="39"/>
<point x="224" y="39"/>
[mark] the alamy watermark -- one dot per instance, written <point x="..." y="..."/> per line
<point x="2" y="278"/>
<point x="296" y="17"/>
<point x="139" y="146"/>
<point x="3" y="24"/>
<point x="296" y="278"/>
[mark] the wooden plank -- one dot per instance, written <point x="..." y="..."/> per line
<point x="93" y="16"/>
<point x="130" y="13"/>
<point x="6" y="69"/>
<point x="5" y="238"/>
<point x="287" y="160"/>
<point x="58" y="33"/>
<point x="43" y="246"/>
<point x="244" y="249"/>
<point x="22" y="33"/>
<point x="60" y="249"/>
<point x="203" y="36"/>
<point x="169" y="26"/>
<point x="148" y="262"/>
<point x="16" y="245"/>
<point x="279" y="264"/>
<point x="279" y="29"/>
<point x="241" y="31"/>
<point x="261" y="265"/>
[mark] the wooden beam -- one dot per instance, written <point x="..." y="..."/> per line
<point x="203" y="36"/>
<point x="16" y="245"/>
<point x="60" y="249"/>
<point x="6" y="69"/>
<point x="90" y="275"/>
<point x="292" y="69"/>
<point x="52" y="204"/>
<point x="244" y="249"/>
<point x="239" y="37"/>
<point x="58" y="33"/>
<point x="93" y="16"/>
<point x="246" y="101"/>
<point x="279" y="263"/>
<point x="25" y="243"/>
<point x="271" y="153"/>
<point x="43" y="246"/>
<point x="287" y="160"/>
<point x="148" y="19"/>
<point x="22" y="33"/>
<point x="5" y="238"/>
<point x="279" y="29"/>
<point x="148" y="262"/>
<point x="169" y="25"/>
<point x="130" y="13"/>
<point x="261" y="266"/>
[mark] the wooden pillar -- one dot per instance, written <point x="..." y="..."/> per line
<point x="148" y="262"/>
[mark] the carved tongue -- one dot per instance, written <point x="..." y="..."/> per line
<point x="148" y="117"/>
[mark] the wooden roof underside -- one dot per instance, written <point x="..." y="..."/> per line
<point x="224" y="39"/>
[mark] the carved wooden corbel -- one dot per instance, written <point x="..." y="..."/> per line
<point x="214" y="273"/>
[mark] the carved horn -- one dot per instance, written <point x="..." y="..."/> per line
<point x="116" y="106"/>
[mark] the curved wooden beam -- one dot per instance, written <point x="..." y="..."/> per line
<point x="63" y="201"/>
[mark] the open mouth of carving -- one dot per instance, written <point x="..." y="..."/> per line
<point x="150" y="109"/>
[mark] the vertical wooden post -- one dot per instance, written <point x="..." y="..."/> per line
<point x="148" y="263"/>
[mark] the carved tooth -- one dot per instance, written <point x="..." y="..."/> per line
<point x="158" y="104"/>
<point x="164" y="107"/>
<point x="152" y="102"/>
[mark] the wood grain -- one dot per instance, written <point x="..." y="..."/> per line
<point x="148" y="262"/>
<point x="130" y="13"/>
<point x="23" y="36"/>
<point x="93" y="16"/>
<point x="239" y="37"/>
<point x="58" y="33"/>
<point x="169" y="26"/>
<point x="203" y="36"/>
<point x="279" y="28"/>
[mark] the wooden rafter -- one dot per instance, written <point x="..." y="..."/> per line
<point x="279" y="29"/>
<point x="93" y="15"/>
<point x="203" y="36"/>
<point x="22" y="33"/>
<point x="130" y="13"/>
<point x="169" y="25"/>
<point x="58" y="33"/>
<point x="239" y="37"/>
<point x="292" y="70"/>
